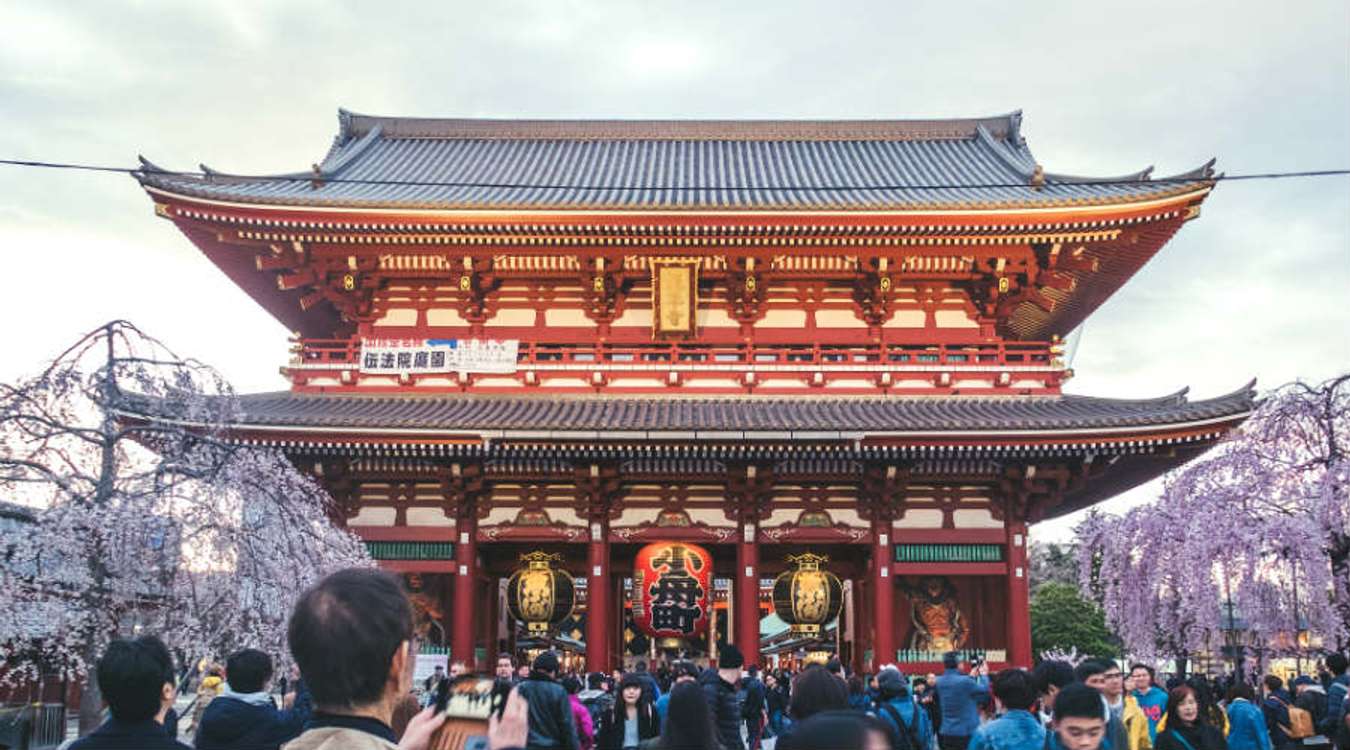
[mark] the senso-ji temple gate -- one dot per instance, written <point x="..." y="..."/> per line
<point x="761" y="338"/>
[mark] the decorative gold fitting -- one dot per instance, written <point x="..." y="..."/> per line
<point x="808" y="560"/>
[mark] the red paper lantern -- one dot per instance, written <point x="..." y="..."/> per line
<point x="672" y="590"/>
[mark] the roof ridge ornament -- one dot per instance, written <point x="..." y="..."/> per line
<point x="1038" y="178"/>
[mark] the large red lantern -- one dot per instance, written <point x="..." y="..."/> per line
<point x="672" y="590"/>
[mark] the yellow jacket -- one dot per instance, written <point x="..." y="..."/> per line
<point x="1136" y="725"/>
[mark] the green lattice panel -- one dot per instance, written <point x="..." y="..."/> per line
<point x="411" y="550"/>
<point x="949" y="553"/>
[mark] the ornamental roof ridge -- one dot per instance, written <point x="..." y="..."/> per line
<point x="441" y="164"/>
<point x="355" y="125"/>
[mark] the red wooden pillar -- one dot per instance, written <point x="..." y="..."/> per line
<point x="597" y="599"/>
<point x="883" y="608"/>
<point x="466" y="579"/>
<point x="1019" y="596"/>
<point x="747" y="594"/>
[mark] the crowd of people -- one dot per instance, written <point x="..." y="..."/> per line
<point x="351" y="637"/>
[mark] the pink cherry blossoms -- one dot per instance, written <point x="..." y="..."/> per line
<point x="1261" y="522"/>
<point x="147" y="526"/>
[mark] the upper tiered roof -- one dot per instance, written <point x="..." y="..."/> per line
<point x="634" y="165"/>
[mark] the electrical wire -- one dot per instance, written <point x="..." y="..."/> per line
<point x="322" y="180"/>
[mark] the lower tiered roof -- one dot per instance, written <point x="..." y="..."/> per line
<point x="1110" y="445"/>
<point x="739" y="416"/>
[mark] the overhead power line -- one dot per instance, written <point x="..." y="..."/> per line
<point x="322" y="180"/>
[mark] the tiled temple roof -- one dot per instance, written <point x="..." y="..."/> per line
<point x="866" y="415"/>
<point x="393" y="162"/>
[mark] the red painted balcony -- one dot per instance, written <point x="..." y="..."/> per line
<point x="988" y="368"/>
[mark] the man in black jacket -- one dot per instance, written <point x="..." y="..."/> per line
<point x="753" y="708"/>
<point x="719" y="687"/>
<point x="136" y="679"/>
<point x="551" y="724"/>
<point x="244" y="716"/>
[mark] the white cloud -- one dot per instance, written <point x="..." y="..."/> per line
<point x="1255" y="287"/>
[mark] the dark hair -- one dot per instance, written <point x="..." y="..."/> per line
<point x="1337" y="663"/>
<point x="546" y="662"/>
<point x="1090" y="668"/>
<point x="835" y="666"/>
<point x="1174" y="699"/>
<point x="685" y="669"/>
<point x="639" y="666"/>
<point x="950" y="660"/>
<point x="730" y="657"/>
<point x="1240" y="690"/>
<point x="814" y="691"/>
<point x="1050" y="674"/>
<point x="507" y="657"/>
<point x="1272" y="682"/>
<point x="131" y="676"/>
<point x="689" y="720"/>
<point x="571" y="684"/>
<point x="595" y="679"/>
<point x="248" y="670"/>
<point x="837" y="730"/>
<point x="1151" y="674"/>
<point x="1013" y="689"/>
<point x="1079" y="701"/>
<point x="344" y="633"/>
<point x="855" y="685"/>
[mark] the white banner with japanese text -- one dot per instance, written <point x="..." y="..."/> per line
<point x="420" y="356"/>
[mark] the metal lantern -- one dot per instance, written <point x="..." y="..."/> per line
<point x="806" y="597"/>
<point x="672" y="590"/>
<point x="539" y="594"/>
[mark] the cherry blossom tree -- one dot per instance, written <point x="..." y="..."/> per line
<point x="1259" y="528"/>
<point x="160" y="526"/>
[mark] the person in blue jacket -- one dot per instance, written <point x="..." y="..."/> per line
<point x="1016" y="728"/>
<point x="1151" y="698"/>
<point x="907" y="720"/>
<point x="1246" y="723"/>
<point x="960" y="696"/>
<point x="244" y="716"/>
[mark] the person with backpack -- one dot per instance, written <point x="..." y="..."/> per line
<point x="598" y="701"/>
<point x="1186" y="727"/>
<point x="1017" y="728"/>
<point x="1277" y="712"/>
<point x="908" y="722"/>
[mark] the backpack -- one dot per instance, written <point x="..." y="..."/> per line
<point x="595" y="706"/>
<point x="1300" y="722"/>
<point x="906" y="738"/>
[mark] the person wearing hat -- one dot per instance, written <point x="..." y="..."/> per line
<point x="719" y="687"/>
<point x="908" y="722"/>
<point x="551" y="724"/>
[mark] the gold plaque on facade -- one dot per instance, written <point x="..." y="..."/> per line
<point x="674" y="297"/>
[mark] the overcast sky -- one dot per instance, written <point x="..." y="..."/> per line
<point x="1257" y="287"/>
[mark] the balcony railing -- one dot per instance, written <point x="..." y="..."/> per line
<point x="345" y="353"/>
<point x="993" y="367"/>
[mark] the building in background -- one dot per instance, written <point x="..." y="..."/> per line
<point x="757" y="338"/>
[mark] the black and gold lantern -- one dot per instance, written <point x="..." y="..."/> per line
<point x="539" y="594"/>
<point x="807" y="597"/>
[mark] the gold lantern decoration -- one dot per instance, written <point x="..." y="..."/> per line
<point x="807" y="598"/>
<point x="539" y="594"/>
